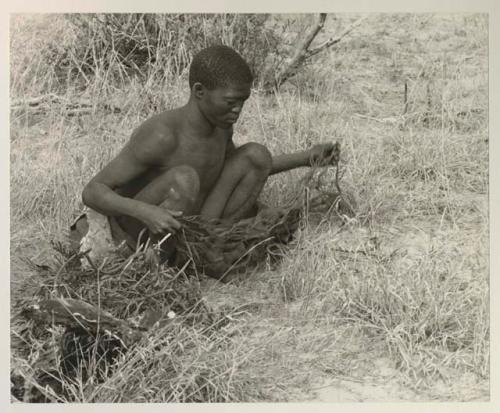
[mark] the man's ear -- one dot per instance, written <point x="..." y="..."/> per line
<point x="198" y="90"/>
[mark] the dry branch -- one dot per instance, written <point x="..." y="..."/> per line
<point x="77" y="313"/>
<point x="298" y="57"/>
<point x="303" y="53"/>
<point x="40" y="104"/>
<point x="330" y="42"/>
<point x="302" y="50"/>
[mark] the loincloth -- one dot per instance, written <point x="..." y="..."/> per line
<point x="99" y="237"/>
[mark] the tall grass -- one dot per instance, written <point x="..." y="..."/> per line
<point x="405" y="279"/>
<point x="105" y="52"/>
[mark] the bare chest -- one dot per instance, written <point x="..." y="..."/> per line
<point x="205" y="156"/>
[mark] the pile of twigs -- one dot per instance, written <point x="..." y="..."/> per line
<point x="220" y="248"/>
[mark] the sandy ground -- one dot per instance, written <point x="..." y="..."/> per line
<point x="371" y="376"/>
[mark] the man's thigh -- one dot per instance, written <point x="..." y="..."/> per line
<point x="176" y="189"/>
<point x="245" y="172"/>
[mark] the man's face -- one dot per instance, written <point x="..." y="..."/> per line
<point x="222" y="106"/>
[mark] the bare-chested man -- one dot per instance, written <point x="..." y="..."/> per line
<point x="184" y="161"/>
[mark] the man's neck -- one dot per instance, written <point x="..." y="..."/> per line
<point x="195" y="121"/>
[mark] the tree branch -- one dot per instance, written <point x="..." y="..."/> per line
<point x="303" y="53"/>
<point x="41" y="104"/>
<point x="300" y="52"/>
<point x="330" y="42"/>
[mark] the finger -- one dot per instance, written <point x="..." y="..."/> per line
<point x="174" y="224"/>
<point x="156" y="230"/>
<point x="168" y="227"/>
<point x="167" y="230"/>
<point x="175" y="213"/>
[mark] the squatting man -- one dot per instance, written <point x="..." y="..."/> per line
<point x="184" y="161"/>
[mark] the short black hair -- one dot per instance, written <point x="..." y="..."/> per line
<point x="219" y="66"/>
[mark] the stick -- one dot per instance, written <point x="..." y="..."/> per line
<point x="41" y="103"/>
<point x="69" y="311"/>
<point x="405" y="108"/>
<point x="300" y="52"/>
<point x="330" y="42"/>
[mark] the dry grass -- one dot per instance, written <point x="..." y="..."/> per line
<point x="406" y="279"/>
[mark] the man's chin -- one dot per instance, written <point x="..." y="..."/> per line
<point x="225" y="125"/>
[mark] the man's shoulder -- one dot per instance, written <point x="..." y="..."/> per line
<point x="158" y="127"/>
<point x="155" y="135"/>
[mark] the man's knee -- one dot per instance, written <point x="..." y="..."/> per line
<point x="258" y="155"/>
<point x="184" y="181"/>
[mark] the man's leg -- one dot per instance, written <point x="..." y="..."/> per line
<point x="177" y="190"/>
<point x="240" y="183"/>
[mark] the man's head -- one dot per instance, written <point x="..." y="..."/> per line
<point x="219" y="66"/>
<point x="220" y="82"/>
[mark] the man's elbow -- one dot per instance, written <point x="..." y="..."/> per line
<point x="88" y="194"/>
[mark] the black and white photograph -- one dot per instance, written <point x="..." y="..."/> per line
<point x="249" y="207"/>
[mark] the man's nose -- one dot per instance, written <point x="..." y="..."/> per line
<point x="237" y="109"/>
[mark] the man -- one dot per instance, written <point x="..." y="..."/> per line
<point x="184" y="161"/>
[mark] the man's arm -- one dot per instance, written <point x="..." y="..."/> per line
<point x="321" y="155"/>
<point x="286" y="162"/>
<point x="99" y="193"/>
<point x="146" y="149"/>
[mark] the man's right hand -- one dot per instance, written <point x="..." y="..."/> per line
<point x="160" y="220"/>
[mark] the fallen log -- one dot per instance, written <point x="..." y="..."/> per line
<point x="40" y="104"/>
<point x="73" y="313"/>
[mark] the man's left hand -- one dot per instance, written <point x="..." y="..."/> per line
<point x="324" y="154"/>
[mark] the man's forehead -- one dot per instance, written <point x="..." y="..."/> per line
<point x="235" y="90"/>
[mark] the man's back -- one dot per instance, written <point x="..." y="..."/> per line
<point x="165" y="141"/>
